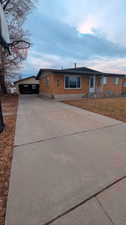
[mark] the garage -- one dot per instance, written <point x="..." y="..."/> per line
<point x="29" y="88"/>
<point x="28" y="85"/>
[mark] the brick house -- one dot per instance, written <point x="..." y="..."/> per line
<point x="80" y="82"/>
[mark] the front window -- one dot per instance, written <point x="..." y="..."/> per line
<point x="46" y="82"/>
<point x="72" y="82"/>
<point x="103" y="80"/>
<point x="58" y="83"/>
<point x="116" y="80"/>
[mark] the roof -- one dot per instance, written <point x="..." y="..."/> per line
<point x="26" y="78"/>
<point x="83" y="69"/>
<point x="79" y="71"/>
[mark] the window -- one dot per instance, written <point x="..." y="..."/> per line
<point x="124" y="85"/>
<point x="72" y="82"/>
<point x="91" y="82"/>
<point x="46" y="82"/>
<point x="116" y="80"/>
<point x="58" y="83"/>
<point x="104" y="80"/>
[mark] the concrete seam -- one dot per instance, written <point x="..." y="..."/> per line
<point x="67" y="135"/>
<point x="85" y="201"/>
<point x="104" y="210"/>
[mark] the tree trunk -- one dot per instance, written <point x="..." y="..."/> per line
<point x="1" y="119"/>
<point x="2" y="73"/>
<point x="2" y="83"/>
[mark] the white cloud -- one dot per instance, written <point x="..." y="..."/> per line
<point x="38" y="60"/>
<point x="107" y="16"/>
<point x="88" y="26"/>
<point x="88" y="17"/>
<point x="112" y="65"/>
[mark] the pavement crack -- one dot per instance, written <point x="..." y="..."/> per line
<point x="104" y="210"/>
<point x="93" y="196"/>
<point x="67" y="135"/>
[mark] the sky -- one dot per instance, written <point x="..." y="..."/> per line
<point x="89" y="32"/>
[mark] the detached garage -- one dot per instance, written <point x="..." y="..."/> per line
<point x="27" y="85"/>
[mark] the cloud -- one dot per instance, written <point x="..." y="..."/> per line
<point x="52" y="36"/>
<point x="108" y="65"/>
<point x="64" y="32"/>
<point x="38" y="60"/>
<point x="88" y="26"/>
<point x="109" y="19"/>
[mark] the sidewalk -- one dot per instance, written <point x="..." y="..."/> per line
<point x="66" y="165"/>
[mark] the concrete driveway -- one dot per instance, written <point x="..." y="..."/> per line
<point x="63" y="157"/>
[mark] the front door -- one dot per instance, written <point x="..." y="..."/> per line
<point x="92" y="84"/>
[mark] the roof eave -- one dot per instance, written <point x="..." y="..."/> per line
<point x="24" y="79"/>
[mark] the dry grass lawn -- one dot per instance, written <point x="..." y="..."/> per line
<point x="112" y="107"/>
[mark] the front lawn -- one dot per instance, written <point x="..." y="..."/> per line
<point x="112" y="107"/>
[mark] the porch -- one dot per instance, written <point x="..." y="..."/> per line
<point x="105" y="86"/>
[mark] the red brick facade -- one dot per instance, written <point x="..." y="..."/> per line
<point x="52" y="85"/>
<point x="124" y="86"/>
<point x="111" y="88"/>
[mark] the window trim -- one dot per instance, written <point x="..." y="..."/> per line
<point x="72" y="88"/>
<point x="115" y="81"/>
<point x="58" y="83"/>
<point x="46" y="82"/>
<point x="124" y="84"/>
<point x="104" y="80"/>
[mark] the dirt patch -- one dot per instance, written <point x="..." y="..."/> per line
<point x="112" y="107"/>
<point x="9" y="105"/>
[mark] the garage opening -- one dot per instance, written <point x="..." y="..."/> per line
<point x="29" y="88"/>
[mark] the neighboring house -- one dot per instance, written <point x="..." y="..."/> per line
<point x="27" y="85"/>
<point x="124" y="86"/>
<point x="80" y="82"/>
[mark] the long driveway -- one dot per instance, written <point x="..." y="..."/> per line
<point x="63" y="157"/>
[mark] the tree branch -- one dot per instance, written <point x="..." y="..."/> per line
<point x="5" y="6"/>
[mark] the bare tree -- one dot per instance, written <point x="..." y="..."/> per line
<point x="16" y="12"/>
<point x="18" y="8"/>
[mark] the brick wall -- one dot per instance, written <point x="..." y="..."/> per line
<point x="52" y="85"/>
<point x="47" y="84"/>
<point x="59" y="89"/>
<point x="110" y="89"/>
<point x="124" y="86"/>
<point x="55" y="86"/>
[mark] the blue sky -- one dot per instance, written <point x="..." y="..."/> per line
<point x="89" y="32"/>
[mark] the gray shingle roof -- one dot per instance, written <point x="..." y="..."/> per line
<point x="80" y="71"/>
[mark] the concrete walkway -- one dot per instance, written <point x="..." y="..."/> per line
<point x="69" y="167"/>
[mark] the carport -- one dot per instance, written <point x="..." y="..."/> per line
<point x="28" y="85"/>
<point x="29" y="88"/>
